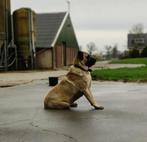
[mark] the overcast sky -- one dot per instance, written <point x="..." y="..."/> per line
<point x="104" y="22"/>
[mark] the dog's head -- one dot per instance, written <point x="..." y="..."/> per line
<point x="84" y="59"/>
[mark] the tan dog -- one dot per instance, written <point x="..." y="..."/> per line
<point x="75" y="84"/>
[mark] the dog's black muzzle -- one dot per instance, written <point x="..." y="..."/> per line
<point x="90" y="61"/>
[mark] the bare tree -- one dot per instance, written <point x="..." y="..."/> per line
<point x="137" y="29"/>
<point x="108" y="51"/>
<point x="115" y="52"/>
<point x="91" y="47"/>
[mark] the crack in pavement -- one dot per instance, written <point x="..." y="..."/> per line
<point x="54" y="132"/>
<point x="20" y="139"/>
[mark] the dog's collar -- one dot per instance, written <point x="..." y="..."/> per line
<point x="77" y="66"/>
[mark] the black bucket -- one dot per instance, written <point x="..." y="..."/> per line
<point x="53" y="81"/>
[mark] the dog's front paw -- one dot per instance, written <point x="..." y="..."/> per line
<point x="98" y="107"/>
<point x="74" y="105"/>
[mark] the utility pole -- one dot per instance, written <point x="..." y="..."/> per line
<point x="68" y="5"/>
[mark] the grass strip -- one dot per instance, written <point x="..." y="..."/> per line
<point x="130" y="61"/>
<point x="138" y="74"/>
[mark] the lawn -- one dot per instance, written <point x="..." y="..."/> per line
<point x="130" y="61"/>
<point x="122" y="74"/>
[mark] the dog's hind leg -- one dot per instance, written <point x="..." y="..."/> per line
<point x="57" y="105"/>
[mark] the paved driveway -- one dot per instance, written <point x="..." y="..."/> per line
<point x="23" y="119"/>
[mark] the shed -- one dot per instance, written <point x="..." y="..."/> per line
<point x="56" y="43"/>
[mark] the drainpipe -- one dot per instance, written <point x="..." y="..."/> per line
<point x="13" y="44"/>
<point x="6" y="36"/>
<point x="31" y="37"/>
<point x="53" y="58"/>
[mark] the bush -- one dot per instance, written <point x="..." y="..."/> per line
<point x="124" y="55"/>
<point x="144" y="52"/>
<point x="134" y="53"/>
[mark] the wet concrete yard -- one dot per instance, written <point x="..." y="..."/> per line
<point x="124" y="119"/>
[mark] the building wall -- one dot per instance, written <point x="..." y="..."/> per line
<point x="66" y="46"/>
<point x="64" y="56"/>
<point x="59" y="56"/>
<point x="137" y="40"/>
<point x="70" y="55"/>
<point x="64" y="50"/>
<point x="44" y="59"/>
<point x="67" y="35"/>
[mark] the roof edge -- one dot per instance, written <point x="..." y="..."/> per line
<point x="39" y="13"/>
<point x="59" y="30"/>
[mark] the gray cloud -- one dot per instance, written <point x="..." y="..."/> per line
<point x="96" y="15"/>
<point x="112" y="14"/>
<point x="91" y="14"/>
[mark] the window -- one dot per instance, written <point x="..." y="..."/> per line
<point x="139" y="41"/>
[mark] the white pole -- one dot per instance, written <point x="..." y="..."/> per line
<point x="68" y="4"/>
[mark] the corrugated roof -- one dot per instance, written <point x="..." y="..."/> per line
<point x="47" y="26"/>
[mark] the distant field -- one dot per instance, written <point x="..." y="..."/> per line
<point x="130" y="61"/>
<point x="122" y="74"/>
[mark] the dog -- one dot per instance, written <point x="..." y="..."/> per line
<point x="74" y="85"/>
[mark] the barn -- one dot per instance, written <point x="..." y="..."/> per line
<point x="56" y="42"/>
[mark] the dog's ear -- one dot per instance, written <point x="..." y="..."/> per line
<point x="80" y="55"/>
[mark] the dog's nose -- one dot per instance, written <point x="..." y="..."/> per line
<point x="93" y="60"/>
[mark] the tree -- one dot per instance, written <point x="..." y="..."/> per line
<point x="144" y="52"/>
<point x="98" y="56"/>
<point x="134" y="53"/>
<point x="125" y="54"/>
<point x="114" y="52"/>
<point x="108" y="51"/>
<point x="137" y="29"/>
<point x="91" y="47"/>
